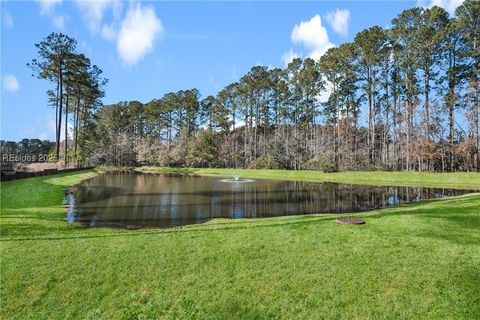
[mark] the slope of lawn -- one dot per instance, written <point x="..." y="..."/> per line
<point x="419" y="261"/>
<point x="457" y="180"/>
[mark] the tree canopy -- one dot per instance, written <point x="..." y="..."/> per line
<point x="388" y="100"/>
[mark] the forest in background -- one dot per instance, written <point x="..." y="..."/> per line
<point x="393" y="98"/>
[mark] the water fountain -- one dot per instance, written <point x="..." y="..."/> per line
<point x="236" y="179"/>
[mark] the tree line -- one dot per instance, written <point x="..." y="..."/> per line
<point x="393" y="100"/>
<point x="78" y="90"/>
<point x="32" y="150"/>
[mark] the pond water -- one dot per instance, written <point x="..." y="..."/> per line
<point x="133" y="200"/>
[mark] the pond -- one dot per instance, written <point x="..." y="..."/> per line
<point x="136" y="200"/>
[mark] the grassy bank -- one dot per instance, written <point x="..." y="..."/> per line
<point x="458" y="180"/>
<point x="415" y="261"/>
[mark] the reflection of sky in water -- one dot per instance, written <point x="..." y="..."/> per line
<point x="93" y="221"/>
<point x="156" y="200"/>
<point x="393" y="200"/>
<point x="70" y="202"/>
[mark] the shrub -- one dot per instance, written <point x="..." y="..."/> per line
<point x="262" y="163"/>
<point x="322" y="163"/>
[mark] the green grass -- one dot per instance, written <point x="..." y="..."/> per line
<point x="419" y="261"/>
<point x="456" y="180"/>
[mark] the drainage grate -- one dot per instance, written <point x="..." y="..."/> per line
<point x="350" y="220"/>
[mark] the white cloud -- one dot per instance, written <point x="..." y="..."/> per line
<point x="7" y="19"/>
<point x="138" y="33"/>
<point x="448" y="5"/>
<point x="339" y="21"/>
<point x="109" y="32"/>
<point x="317" y="53"/>
<point x="325" y="94"/>
<point x="69" y="131"/>
<point x="10" y="83"/>
<point x="238" y="124"/>
<point x="288" y="56"/>
<point x="59" y="22"/>
<point x="93" y="11"/>
<point x="313" y="35"/>
<point x="48" y="6"/>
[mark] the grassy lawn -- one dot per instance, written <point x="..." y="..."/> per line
<point x="419" y="261"/>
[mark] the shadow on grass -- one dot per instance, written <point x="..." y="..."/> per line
<point x="454" y="219"/>
<point x="206" y="227"/>
<point x="21" y="229"/>
<point x="27" y="217"/>
<point x="464" y="239"/>
<point x="467" y="206"/>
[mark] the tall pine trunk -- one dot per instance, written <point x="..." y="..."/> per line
<point x="77" y="109"/>
<point x="476" y="110"/>
<point x="427" y="102"/>
<point x="60" y="108"/>
<point x="66" y="131"/>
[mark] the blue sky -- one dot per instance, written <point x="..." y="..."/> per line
<point x="149" y="48"/>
